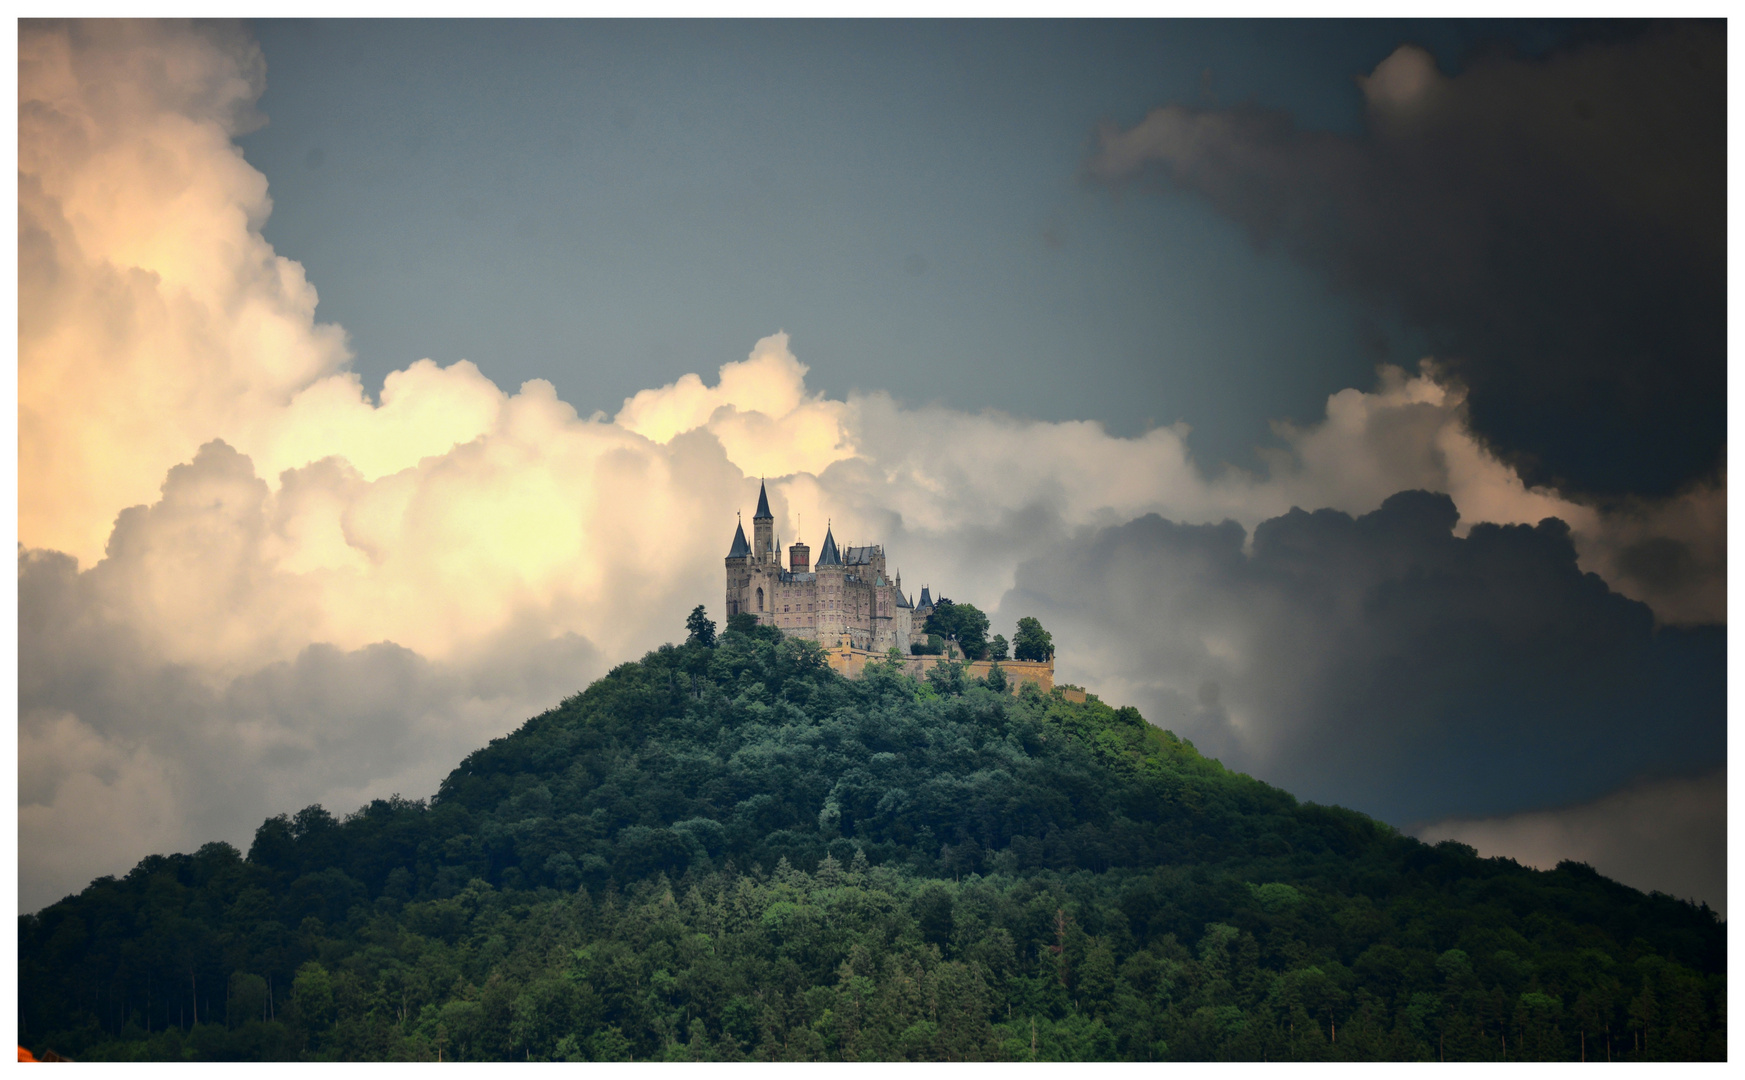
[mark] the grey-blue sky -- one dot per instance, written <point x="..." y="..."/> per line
<point x="611" y="205"/>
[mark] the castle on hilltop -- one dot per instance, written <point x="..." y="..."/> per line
<point x="847" y="603"/>
<point x="846" y="598"/>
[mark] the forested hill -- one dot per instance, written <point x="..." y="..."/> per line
<point x="727" y="851"/>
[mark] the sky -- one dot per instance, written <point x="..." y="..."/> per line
<point x="1347" y="396"/>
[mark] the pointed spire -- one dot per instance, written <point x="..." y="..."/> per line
<point x="828" y="555"/>
<point x="740" y="548"/>
<point x="762" y="504"/>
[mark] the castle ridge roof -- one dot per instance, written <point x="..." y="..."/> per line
<point x="829" y="556"/>
<point x="859" y="556"/>
<point x="740" y="547"/>
<point x="763" y="513"/>
<point x="926" y="599"/>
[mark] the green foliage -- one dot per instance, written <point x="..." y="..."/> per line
<point x="963" y="622"/>
<point x="933" y="646"/>
<point x="742" y="623"/>
<point x="1032" y="642"/>
<point x="996" y="678"/>
<point x="731" y="853"/>
<point x="997" y="648"/>
<point x="701" y="628"/>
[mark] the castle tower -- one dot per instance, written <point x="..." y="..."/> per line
<point x="832" y="620"/>
<point x="763" y="525"/>
<point x="799" y="558"/>
<point x="738" y="571"/>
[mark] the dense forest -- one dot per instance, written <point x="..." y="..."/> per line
<point x="725" y="851"/>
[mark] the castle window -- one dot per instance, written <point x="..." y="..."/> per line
<point x="760" y="599"/>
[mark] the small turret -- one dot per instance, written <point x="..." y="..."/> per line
<point x="799" y="558"/>
<point x="740" y="548"/>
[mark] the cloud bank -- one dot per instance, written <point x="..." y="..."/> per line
<point x="245" y="585"/>
<point x="1558" y="225"/>
<point x="1668" y="835"/>
<point x="1383" y="662"/>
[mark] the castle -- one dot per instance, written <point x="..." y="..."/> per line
<point x="846" y="603"/>
<point x="847" y="597"/>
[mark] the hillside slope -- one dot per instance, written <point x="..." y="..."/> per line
<point x="730" y="852"/>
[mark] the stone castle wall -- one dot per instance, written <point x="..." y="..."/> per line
<point x="852" y="662"/>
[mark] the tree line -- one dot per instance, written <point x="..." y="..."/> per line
<point x="966" y="627"/>
<point x="726" y="851"/>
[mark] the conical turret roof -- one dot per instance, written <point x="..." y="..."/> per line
<point x="740" y="547"/>
<point x="763" y="513"/>
<point x="828" y="555"/>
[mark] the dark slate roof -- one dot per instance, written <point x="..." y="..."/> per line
<point x="828" y="555"/>
<point x="859" y="556"/>
<point x="903" y="601"/>
<point x="926" y="597"/>
<point x="762" y="505"/>
<point x="802" y="577"/>
<point x="740" y="547"/>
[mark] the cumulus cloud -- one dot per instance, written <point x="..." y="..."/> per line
<point x="1382" y="661"/>
<point x="152" y="313"/>
<point x="246" y="586"/>
<point x="1557" y="224"/>
<point x="123" y="752"/>
<point x="1668" y="835"/>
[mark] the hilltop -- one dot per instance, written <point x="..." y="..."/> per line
<point x="726" y="850"/>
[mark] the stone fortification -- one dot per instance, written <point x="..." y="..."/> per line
<point x="851" y="662"/>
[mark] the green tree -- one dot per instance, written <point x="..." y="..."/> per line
<point x="996" y="679"/>
<point x="946" y="677"/>
<point x="701" y="627"/>
<point x="1032" y="642"/>
<point x="963" y="622"/>
<point x="312" y="990"/>
<point x="997" y="648"/>
<point x="744" y="622"/>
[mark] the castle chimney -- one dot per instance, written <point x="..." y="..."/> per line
<point x="799" y="558"/>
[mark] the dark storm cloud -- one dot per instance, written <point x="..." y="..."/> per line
<point x="1383" y="663"/>
<point x="1558" y="225"/>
